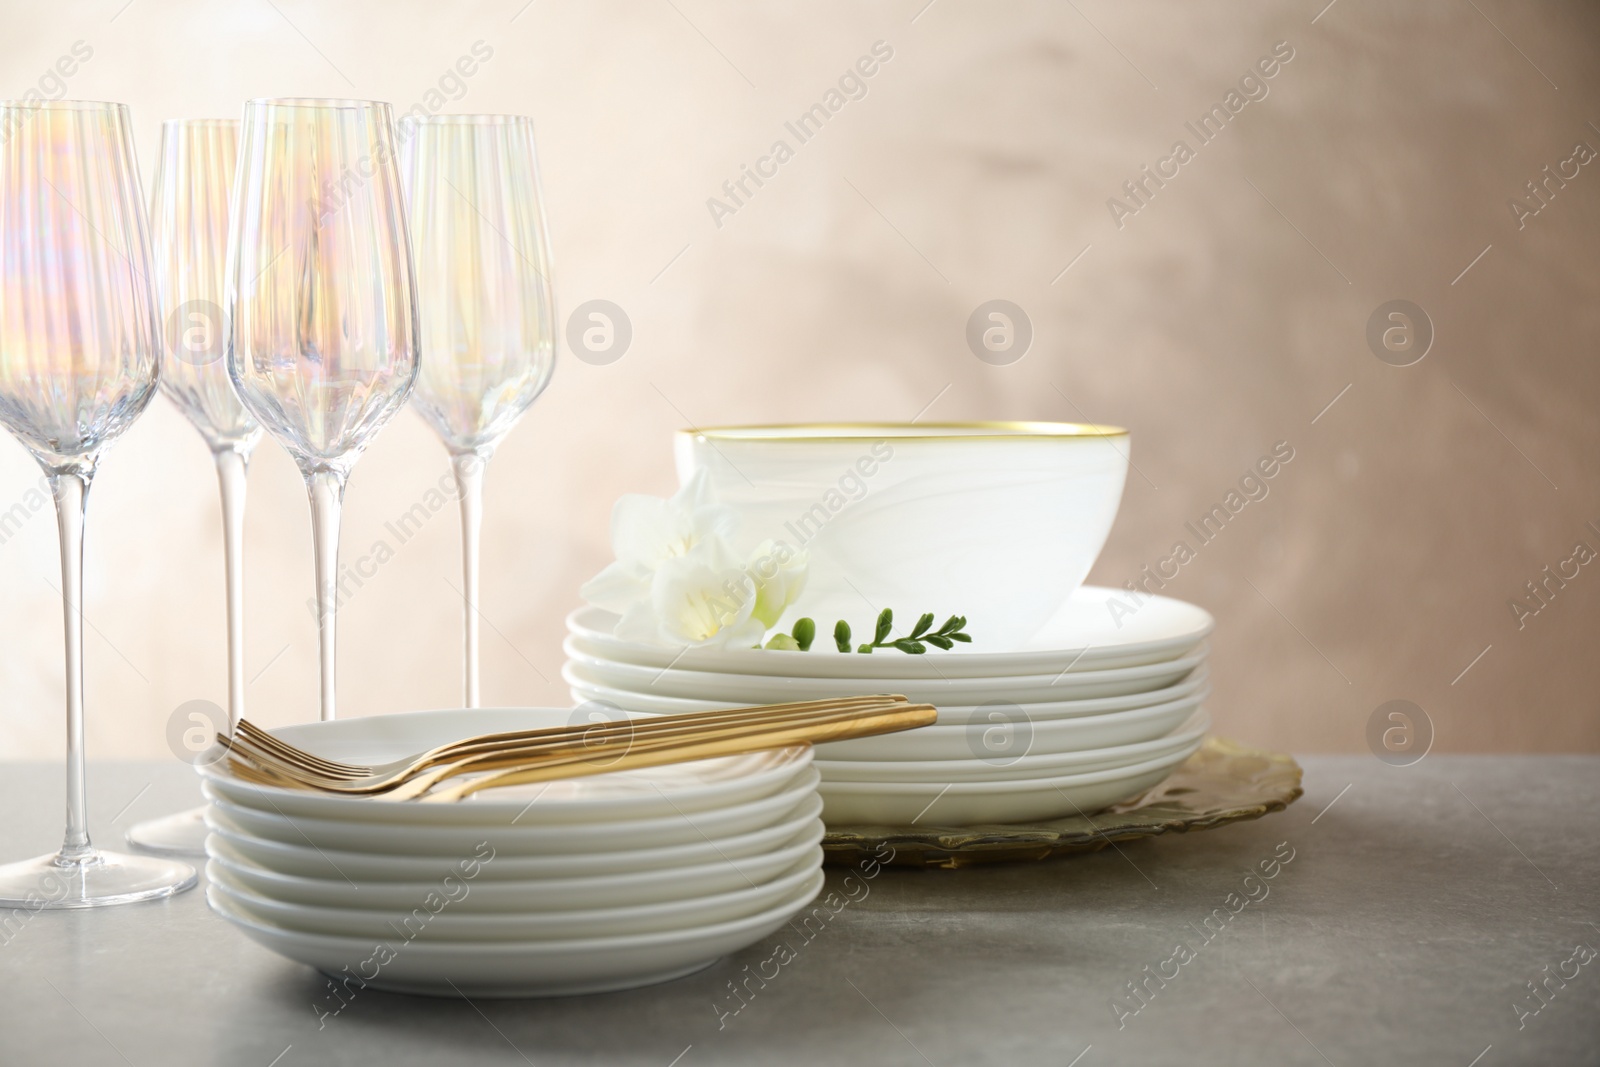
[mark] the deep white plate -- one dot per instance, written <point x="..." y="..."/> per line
<point x="431" y="918"/>
<point x="973" y="803"/>
<point x="612" y="797"/>
<point x="961" y="714"/>
<point x="453" y="843"/>
<point x="1009" y="729"/>
<point x="519" y="968"/>
<point x="1016" y="766"/>
<point x="367" y="869"/>
<point x="1084" y="635"/>
<point x="773" y="689"/>
<point x="484" y="895"/>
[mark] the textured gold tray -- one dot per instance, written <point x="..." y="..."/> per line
<point x="1222" y="783"/>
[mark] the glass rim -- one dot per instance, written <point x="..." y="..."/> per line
<point x="64" y="105"/>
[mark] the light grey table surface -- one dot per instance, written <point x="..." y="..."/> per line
<point x="1419" y="904"/>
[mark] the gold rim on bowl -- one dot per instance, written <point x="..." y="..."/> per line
<point x="844" y="432"/>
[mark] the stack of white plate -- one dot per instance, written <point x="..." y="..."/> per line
<point x="1101" y="706"/>
<point x="583" y="885"/>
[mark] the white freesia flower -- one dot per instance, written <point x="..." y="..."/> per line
<point x="705" y="598"/>
<point x="780" y="576"/>
<point x="646" y="531"/>
<point x="676" y="581"/>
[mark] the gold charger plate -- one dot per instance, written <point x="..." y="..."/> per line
<point x="1224" y="782"/>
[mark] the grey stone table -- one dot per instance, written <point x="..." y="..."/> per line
<point x="1438" y="914"/>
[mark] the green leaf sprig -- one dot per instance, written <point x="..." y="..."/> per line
<point x="915" y="643"/>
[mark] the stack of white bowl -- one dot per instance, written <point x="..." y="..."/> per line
<point x="1100" y="706"/>
<point x="588" y="884"/>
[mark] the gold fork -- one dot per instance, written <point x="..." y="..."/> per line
<point x="826" y="720"/>
<point x="543" y="763"/>
<point x="272" y="754"/>
<point x="317" y="765"/>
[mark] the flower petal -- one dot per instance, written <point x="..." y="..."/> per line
<point x="642" y="529"/>
<point x="697" y="595"/>
<point x="780" y="574"/>
<point x="746" y="634"/>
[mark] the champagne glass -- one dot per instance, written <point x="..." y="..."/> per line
<point x="485" y="300"/>
<point x="189" y="224"/>
<point x="79" y="335"/>
<point x="322" y="340"/>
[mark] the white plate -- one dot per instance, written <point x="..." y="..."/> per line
<point x="959" y="714"/>
<point x="1082" y="636"/>
<point x="519" y="968"/>
<point x="431" y="918"/>
<point x="623" y="795"/>
<point x="453" y="843"/>
<point x="367" y="869"/>
<point x="484" y="895"/>
<point x="773" y="689"/>
<point x="1005" y="729"/>
<point x="971" y="803"/>
<point x="1016" y="766"/>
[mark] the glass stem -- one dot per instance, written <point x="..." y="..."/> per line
<point x="71" y="491"/>
<point x="326" y="488"/>
<point x="469" y="487"/>
<point x="232" y="464"/>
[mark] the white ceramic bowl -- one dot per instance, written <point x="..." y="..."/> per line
<point x="1017" y="765"/>
<point x="484" y="894"/>
<point x="1090" y="632"/>
<point x="959" y="714"/>
<point x="441" y="922"/>
<point x="997" y="521"/>
<point x="519" y="968"/>
<point x="1006" y="729"/>
<point x="973" y="803"/>
<point x="367" y="868"/>
<point x="454" y="843"/>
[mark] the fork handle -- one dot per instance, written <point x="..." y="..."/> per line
<point x="904" y="717"/>
<point x="600" y="733"/>
<point x="824" y="725"/>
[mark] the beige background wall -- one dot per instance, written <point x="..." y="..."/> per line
<point x="1219" y="320"/>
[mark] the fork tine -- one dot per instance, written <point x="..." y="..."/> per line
<point x="290" y="753"/>
<point x="243" y="748"/>
<point x="298" y="756"/>
<point x="264" y="740"/>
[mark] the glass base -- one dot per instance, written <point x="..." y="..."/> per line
<point x="183" y="834"/>
<point x="90" y="879"/>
